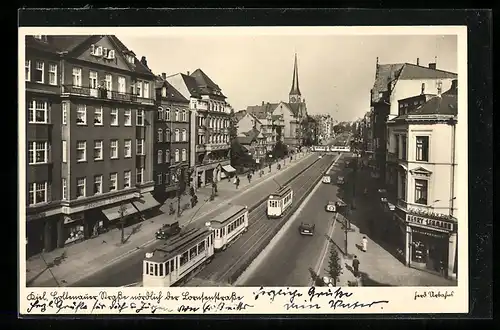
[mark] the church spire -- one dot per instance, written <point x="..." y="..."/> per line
<point x="295" y="91"/>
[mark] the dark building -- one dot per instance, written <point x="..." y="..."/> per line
<point x="90" y="105"/>
<point x="172" y="143"/>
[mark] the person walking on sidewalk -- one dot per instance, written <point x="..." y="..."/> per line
<point x="249" y="177"/>
<point x="237" y="182"/>
<point x="364" y="242"/>
<point x="355" y="266"/>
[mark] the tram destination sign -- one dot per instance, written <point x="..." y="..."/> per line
<point x="433" y="223"/>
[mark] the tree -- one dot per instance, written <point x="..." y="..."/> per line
<point x="280" y="150"/>
<point x="239" y="155"/>
<point x="334" y="265"/>
<point x="122" y="211"/>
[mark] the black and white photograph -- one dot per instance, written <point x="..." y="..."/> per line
<point x="234" y="158"/>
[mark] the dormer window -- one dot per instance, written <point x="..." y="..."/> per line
<point x="105" y="52"/>
<point x="130" y="59"/>
<point x="111" y="54"/>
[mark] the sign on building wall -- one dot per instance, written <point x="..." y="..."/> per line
<point x="431" y="223"/>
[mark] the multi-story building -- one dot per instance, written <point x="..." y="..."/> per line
<point x="89" y="101"/>
<point x="325" y="127"/>
<point x="422" y="175"/>
<point x="210" y="114"/>
<point x="246" y="121"/>
<point x="172" y="143"/>
<point x="392" y="83"/>
<point x="367" y="133"/>
<point x="254" y="142"/>
<point x="271" y="126"/>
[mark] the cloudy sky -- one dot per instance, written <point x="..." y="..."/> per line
<point x="336" y="72"/>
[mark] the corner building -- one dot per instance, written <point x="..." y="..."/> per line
<point x="96" y="132"/>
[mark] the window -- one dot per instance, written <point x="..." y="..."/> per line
<point x="160" y="135"/>
<point x="159" y="114"/>
<point x="140" y="118"/>
<point x="37" y="193"/>
<point x="64" y="107"/>
<point x="421" y="192"/>
<point x="80" y="187"/>
<point x="184" y="135"/>
<point x="167" y="115"/>
<point x="27" y="70"/>
<point x="81" y="151"/>
<point x="176" y="115"/>
<point x="164" y="92"/>
<point x="114" y="117"/>
<point x="184" y="155"/>
<point x="176" y="155"/>
<point x="38" y="152"/>
<point x="439" y="87"/>
<point x="139" y="147"/>
<point x="127" y="149"/>
<point x="109" y="84"/>
<point x="422" y="89"/>
<point x="114" y="149"/>
<point x="64" y="185"/>
<point x="127" y="178"/>
<point x="39" y="70"/>
<point x="396" y="151"/>
<point x="139" y="175"/>
<point x="167" y="156"/>
<point x="64" y="151"/>
<point x="98" y="116"/>
<point x="423" y="148"/>
<point x="77" y="77"/>
<point x="52" y="74"/>
<point x="97" y="184"/>
<point x="146" y="90"/>
<point x="403" y="147"/>
<point x="160" y="157"/>
<point x="37" y="112"/>
<point x="167" y="135"/>
<point x="113" y="181"/>
<point x="138" y="88"/>
<point x="81" y="114"/>
<point x="111" y="54"/>
<point x="159" y="178"/>
<point x="98" y="150"/>
<point x="121" y="85"/>
<point x="128" y="117"/>
<point x="176" y="137"/>
<point x="93" y="83"/>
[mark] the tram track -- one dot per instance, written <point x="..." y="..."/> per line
<point x="229" y="264"/>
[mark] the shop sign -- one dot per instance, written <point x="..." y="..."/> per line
<point x="107" y="201"/>
<point x="433" y="223"/>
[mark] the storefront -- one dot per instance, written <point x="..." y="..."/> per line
<point x="207" y="174"/>
<point x="41" y="232"/>
<point x="72" y="229"/>
<point x="432" y="244"/>
<point x="227" y="171"/>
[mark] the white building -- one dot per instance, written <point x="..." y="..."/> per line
<point x="421" y="175"/>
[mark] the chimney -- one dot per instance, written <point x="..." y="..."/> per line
<point x="164" y="75"/>
<point x="144" y="61"/>
<point x="454" y="84"/>
<point x="432" y="66"/>
<point x="262" y="103"/>
<point x="187" y="73"/>
<point x="418" y="61"/>
<point x="376" y="69"/>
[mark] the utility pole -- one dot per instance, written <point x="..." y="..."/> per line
<point x="122" y="211"/>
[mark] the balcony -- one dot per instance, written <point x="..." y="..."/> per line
<point x="216" y="146"/>
<point x="200" y="148"/>
<point x="103" y="94"/>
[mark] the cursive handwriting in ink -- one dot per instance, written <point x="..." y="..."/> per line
<point x="97" y="305"/>
<point x="339" y="303"/>
<point x="222" y="306"/>
<point x="337" y="294"/>
<point x="439" y="294"/>
<point x="280" y="292"/>
<point x="185" y="308"/>
<point x="293" y="305"/>
<point x="36" y="305"/>
<point x="420" y="295"/>
<point x="32" y="296"/>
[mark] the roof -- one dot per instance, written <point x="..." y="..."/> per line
<point x="172" y="93"/>
<point x="413" y="71"/>
<point x="261" y="111"/>
<point x="245" y="139"/>
<point x="281" y="192"/>
<point x="438" y="105"/>
<point x="205" y="84"/>
<point x="240" y="114"/>
<point x="385" y="73"/>
<point x="226" y="214"/>
<point x="70" y="43"/>
<point x="297" y="108"/>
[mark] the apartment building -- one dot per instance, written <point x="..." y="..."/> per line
<point x="210" y="115"/>
<point x="172" y="146"/>
<point x="90" y="105"/>
<point x="422" y="176"/>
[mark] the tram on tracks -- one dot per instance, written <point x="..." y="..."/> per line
<point x="188" y="252"/>
<point x="279" y="202"/>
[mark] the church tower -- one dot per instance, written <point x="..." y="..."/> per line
<point x="295" y="96"/>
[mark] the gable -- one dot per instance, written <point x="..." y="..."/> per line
<point x="283" y="109"/>
<point x="178" y="83"/>
<point x="84" y="53"/>
<point x="420" y="171"/>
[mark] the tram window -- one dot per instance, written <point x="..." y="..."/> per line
<point x="217" y="234"/>
<point x="223" y="231"/>
<point x="167" y="268"/>
<point x="151" y="269"/>
<point x="192" y="253"/>
<point x="147" y="268"/>
<point x="172" y="265"/>
<point x="201" y="247"/>
<point x="184" y="258"/>
<point x="162" y="267"/>
<point x="156" y="269"/>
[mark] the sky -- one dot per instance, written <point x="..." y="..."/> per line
<point x="336" y="72"/>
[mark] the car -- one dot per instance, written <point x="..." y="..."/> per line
<point x="340" y="180"/>
<point x="306" y="229"/>
<point x="168" y="230"/>
<point x="331" y="206"/>
<point x="326" y="179"/>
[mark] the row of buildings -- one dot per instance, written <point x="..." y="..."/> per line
<point x="410" y="132"/>
<point x="107" y="137"/>
<point x="325" y="127"/>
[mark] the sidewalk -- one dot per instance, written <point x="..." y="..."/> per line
<point x="77" y="261"/>
<point x="378" y="267"/>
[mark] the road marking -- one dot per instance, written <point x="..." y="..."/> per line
<point x="265" y="252"/>
<point x="325" y="250"/>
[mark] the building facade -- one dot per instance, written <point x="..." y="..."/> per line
<point x="210" y="115"/>
<point x="254" y="142"/>
<point x="421" y="165"/>
<point x="172" y="143"/>
<point x="90" y="103"/>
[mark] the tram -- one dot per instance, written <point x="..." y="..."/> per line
<point x="230" y="224"/>
<point x="279" y="202"/>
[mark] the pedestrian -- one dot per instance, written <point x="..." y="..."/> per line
<point x="365" y="243"/>
<point x="249" y="177"/>
<point x="355" y="266"/>
<point x="269" y="168"/>
<point x="237" y="182"/>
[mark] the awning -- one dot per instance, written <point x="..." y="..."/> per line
<point x="228" y="168"/>
<point x="145" y="202"/>
<point x="114" y="212"/>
